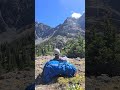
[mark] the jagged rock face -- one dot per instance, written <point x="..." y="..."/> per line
<point x="70" y="28"/>
<point x="81" y="22"/>
<point x="15" y="14"/>
<point x="41" y="30"/>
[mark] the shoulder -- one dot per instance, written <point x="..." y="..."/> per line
<point x="62" y="59"/>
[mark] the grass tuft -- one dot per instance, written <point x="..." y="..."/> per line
<point x="73" y="83"/>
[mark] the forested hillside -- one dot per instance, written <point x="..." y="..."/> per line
<point x="18" y="54"/>
<point x="72" y="48"/>
<point x="16" y="34"/>
<point x="102" y="41"/>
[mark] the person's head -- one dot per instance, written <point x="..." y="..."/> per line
<point x="56" y="53"/>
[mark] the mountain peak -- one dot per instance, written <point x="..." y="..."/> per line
<point x="71" y="28"/>
<point x="70" y="20"/>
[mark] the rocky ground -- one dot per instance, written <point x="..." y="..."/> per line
<point x="16" y="80"/>
<point x="59" y="83"/>
<point x="103" y="82"/>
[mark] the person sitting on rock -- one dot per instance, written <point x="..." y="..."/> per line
<point x="57" y="57"/>
<point x="57" y="67"/>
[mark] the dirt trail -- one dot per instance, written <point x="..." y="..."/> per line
<point x="39" y="64"/>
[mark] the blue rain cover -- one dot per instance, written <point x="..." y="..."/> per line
<point x="31" y="87"/>
<point x="55" y="68"/>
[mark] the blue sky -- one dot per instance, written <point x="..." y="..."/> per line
<point x="54" y="12"/>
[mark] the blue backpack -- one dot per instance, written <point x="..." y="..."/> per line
<point x="55" y="68"/>
<point x="31" y="87"/>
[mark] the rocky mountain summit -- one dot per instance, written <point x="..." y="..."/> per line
<point x="70" y="28"/>
<point x="16" y="19"/>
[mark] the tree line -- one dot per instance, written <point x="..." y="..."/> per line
<point x="17" y="54"/>
<point x="72" y="48"/>
<point x="102" y="48"/>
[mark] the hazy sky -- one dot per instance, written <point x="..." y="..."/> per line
<point x="54" y="12"/>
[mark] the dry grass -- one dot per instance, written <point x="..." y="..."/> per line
<point x="74" y="83"/>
